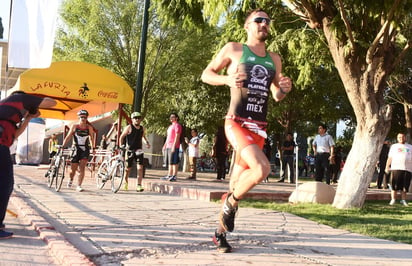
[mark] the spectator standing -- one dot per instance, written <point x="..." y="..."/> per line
<point x="287" y="148"/>
<point x="383" y="158"/>
<point x="267" y="149"/>
<point x="16" y="111"/>
<point x="311" y="162"/>
<point x="220" y="152"/>
<point x="53" y="142"/>
<point x="399" y="163"/>
<point x="253" y="74"/>
<point x="323" y="146"/>
<point x="83" y="137"/>
<point x="134" y="134"/>
<point x="335" y="164"/>
<point x="171" y="148"/>
<point x="193" y="150"/>
<point x="303" y="166"/>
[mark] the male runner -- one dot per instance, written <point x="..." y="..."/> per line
<point x="134" y="134"/>
<point x="252" y="72"/>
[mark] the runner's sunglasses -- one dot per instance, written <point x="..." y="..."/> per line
<point x="260" y="20"/>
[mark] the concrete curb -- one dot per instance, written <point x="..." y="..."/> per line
<point x="61" y="250"/>
<point x="195" y="193"/>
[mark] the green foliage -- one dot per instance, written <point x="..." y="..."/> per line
<point x="375" y="219"/>
<point x="107" y="33"/>
<point x="306" y="60"/>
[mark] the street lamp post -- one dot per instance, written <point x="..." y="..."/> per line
<point x="141" y="63"/>
<point x="295" y="136"/>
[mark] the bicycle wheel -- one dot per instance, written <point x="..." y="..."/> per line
<point x="102" y="174"/>
<point x="51" y="172"/>
<point x="117" y="176"/>
<point x="60" y="170"/>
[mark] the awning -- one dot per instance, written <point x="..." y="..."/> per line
<point x="75" y="86"/>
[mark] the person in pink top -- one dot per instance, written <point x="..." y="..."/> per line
<point x="171" y="148"/>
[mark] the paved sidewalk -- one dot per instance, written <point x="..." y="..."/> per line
<point x="131" y="228"/>
<point x="26" y="247"/>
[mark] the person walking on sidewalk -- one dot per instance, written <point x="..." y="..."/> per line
<point x="134" y="134"/>
<point x="399" y="163"/>
<point x="323" y="147"/>
<point x="83" y="137"/>
<point x="252" y="73"/>
<point x="193" y="148"/>
<point x="288" y="148"/>
<point x="16" y="111"/>
<point x="171" y="148"/>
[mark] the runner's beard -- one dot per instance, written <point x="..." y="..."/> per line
<point x="263" y="36"/>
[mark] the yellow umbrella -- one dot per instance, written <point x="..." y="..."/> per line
<point x="75" y="86"/>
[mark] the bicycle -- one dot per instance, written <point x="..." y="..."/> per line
<point x="112" y="169"/>
<point x="56" y="171"/>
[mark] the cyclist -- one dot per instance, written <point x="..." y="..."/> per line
<point x="134" y="134"/>
<point x="83" y="137"/>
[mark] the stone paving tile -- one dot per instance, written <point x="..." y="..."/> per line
<point x="130" y="228"/>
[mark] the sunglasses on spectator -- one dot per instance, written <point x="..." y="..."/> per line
<point x="83" y="117"/>
<point x="260" y="20"/>
<point x="137" y="117"/>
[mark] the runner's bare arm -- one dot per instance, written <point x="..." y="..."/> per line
<point x="281" y="85"/>
<point x="225" y="59"/>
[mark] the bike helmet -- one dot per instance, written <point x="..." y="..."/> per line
<point x="82" y="112"/>
<point x="135" y="114"/>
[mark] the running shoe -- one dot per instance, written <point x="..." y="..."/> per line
<point x="79" y="189"/>
<point x="221" y="243"/>
<point x="404" y="203"/>
<point x="227" y="215"/>
<point x="392" y="202"/>
<point x="172" y="178"/>
<point x="69" y="183"/>
<point x="5" y="234"/>
<point x="166" y="177"/>
<point x="126" y="186"/>
<point x="139" y="188"/>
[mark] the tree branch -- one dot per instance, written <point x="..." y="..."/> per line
<point x="309" y="16"/>
<point x="401" y="55"/>
<point x="382" y="31"/>
<point x="347" y="25"/>
<point x="313" y="18"/>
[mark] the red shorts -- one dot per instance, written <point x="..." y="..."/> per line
<point x="240" y="137"/>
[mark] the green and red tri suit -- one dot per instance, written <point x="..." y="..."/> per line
<point x="251" y="100"/>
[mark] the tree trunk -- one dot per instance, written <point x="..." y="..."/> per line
<point x="408" y="122"/>
<point x="185" y="158"/>
<point x="359" y="167"/>
<point x="364" y="84"/>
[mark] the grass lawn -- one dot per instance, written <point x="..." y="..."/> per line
<point x="376" y="218"/>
